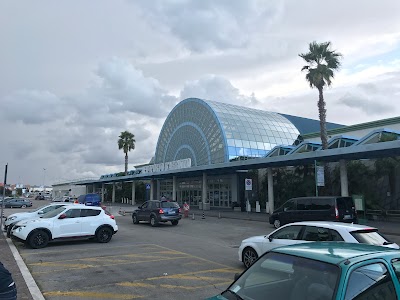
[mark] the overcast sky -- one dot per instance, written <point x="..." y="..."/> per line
<point x="74" y="74"/>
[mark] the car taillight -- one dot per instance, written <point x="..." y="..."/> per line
<point x="336" y="213"/>
<point x="112" y="217"/>
<point x="179" y="210"/>
<point x="160" y="211"/>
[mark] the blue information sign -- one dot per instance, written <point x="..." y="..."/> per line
<point x="148" y="186"/>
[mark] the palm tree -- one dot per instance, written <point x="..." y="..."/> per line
<point x="321" y="64"/>
<point x="127" y="143"/>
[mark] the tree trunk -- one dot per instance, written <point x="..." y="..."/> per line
<point x="322" y="118"/>
<point x="126" y="164"/>
<point x="324" y="138"/>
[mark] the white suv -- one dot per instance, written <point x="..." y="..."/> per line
<point x="310" y="231"/>
<point x="11" y="220"/>
<point x="65" y="223"/>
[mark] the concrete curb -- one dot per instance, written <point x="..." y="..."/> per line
<point x="30" y="282"/>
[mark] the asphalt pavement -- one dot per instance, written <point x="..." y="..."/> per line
<point x="27" y="288"/>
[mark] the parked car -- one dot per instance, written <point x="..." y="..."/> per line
<point x="328" y="271"/>
<point x="12" y="219"/>
<point x="90" y="199"/>
<point x="329" y="208"/>
<point x="66" y="223"/>
<point x="17" y="202"/>
<point x="303" y="232"/>
<point x="39" y="197"/>
<point x="156" y="211"/>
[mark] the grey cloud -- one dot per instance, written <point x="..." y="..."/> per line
<point x="204" y="25"/>
<point x="366" y="104"/>
<point x="125" y="88"/>
<point x="216" y="88"/>
<point x="33" y="107"/>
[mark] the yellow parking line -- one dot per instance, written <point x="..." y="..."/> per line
<point x="193" y="277"/>
<point x="41" y="252"/>
<point x="92" y="295"/>
<point x="227" y="270"/>
<point x="203" y="259"/>
<point x="107" y="265"/>
<point x="136" y="284"/>
<point x="171" y="286"/>
<point x="113" y="258"/>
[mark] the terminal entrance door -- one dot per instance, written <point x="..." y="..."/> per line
<point x="192" y="197"/>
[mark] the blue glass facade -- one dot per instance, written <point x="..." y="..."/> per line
<point x="211" y="132"/>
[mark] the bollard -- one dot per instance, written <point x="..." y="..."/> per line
<point x="203" y="217"/>
<point x="193" y="217"/>
<point x="219" y="215"/>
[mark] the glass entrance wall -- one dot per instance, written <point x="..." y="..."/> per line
<point x="219" y="191"/>
<point x="189" y="191"/>
<point x="165" y="189"/>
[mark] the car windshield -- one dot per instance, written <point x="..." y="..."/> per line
<point x="166" y="204"/>
<point x="53" y="213"/>
<point x="286" y="277"/>
<point x="370" y="236"/>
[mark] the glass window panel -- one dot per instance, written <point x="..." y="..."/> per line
<point x="238" y="143"/>
<point x="267" y="146"/>
<point x="231" y="142"/>
<point x="253" y="144"/>
<point x="232" y="150"/>
<point x="236" y="135"/>
<point x="246" y="144"/>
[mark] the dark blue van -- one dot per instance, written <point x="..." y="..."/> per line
<point x="90" y="199"/>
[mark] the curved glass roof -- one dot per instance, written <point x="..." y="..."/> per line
<point x="211" y="132"/>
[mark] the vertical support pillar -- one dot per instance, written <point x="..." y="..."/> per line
<point x="173" y="188"/>
<point x="87" y="189"/>
<point x="94" y="188"/>
<point x="344" y="185"/>
<point x="113" y="193"/>
<point x="234" y="188"/>
<point x="152" y="187"/>
<point x="102" y="192"/>
<point x="204" y="190"/>
<point x="133" y="193"/>
<point x="270" y="190"/>
<point x="158" y="193"/>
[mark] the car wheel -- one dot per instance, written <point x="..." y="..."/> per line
<point x="249" y="257"/>
<point x="23" y="206"/>
<point x="38" y="239"/>
<point x="104" y="235"/>
<point x="9" y="230"/>
<point x="153" y="221"/>
<point x="277" y="223"/>
<point x="175" y="222"/>
<point x="135" y="219"/>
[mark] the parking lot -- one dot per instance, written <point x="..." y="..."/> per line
<point x="196" y="259"/>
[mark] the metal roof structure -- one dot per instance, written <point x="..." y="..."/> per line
<point x="360" y="151"/>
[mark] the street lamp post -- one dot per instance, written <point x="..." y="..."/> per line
<point x="44" y="176"/>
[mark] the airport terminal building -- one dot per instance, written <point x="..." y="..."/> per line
<point x="205" y="149"/>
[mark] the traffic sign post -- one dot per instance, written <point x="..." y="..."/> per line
<point x="148" y="187"/>
<point x="248" y="186"/>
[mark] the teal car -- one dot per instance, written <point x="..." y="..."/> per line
<point x="320" y="271"/>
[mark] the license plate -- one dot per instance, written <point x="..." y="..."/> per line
<point x="347" y="217"/>
<point x="171" y="212"/>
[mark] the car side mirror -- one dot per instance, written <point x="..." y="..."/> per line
<point x="63" y="216"/>
<point x="270" y="238"/>
<point x="236" y="276"/>
<point x="285" y="209"/>
<point x="40" y="212"/>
